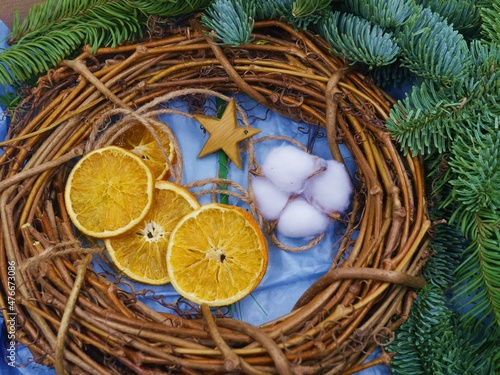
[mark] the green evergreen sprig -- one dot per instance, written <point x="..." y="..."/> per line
<point x="490" y="28"/>
<point x="436" y="339"/>
<point x="425" y="120"/>
<point x="42" y="17"/>
<point x="170" y="8"/>
<point x="54" y="29"/>
<point x="230" y="21"/>
<point x="432" y="49"/>
<point x="476" y="202"/>
<point x="310" y="8"/>
<point x="433" y="115"/>
<point x="385" y="13"/>
<point x="273" y="9"/>
<point x="476" y="188"/>
<point x="356" y="39"/>
<point x="459" y="124"/>
<point x="464" y="15"/>
<point x="299" y="13"/>
<point x="40" y="48"/>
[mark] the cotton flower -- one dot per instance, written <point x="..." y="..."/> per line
<point x="301" y="219"/>
<point x="289" y="167"/>
<point x="301" y="191"/>
<point x="330" y="191"/>
<point x="269" y="199"/>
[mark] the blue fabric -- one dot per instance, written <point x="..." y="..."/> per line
<point x="288" y="274"/>
<point x="3" y="119"/>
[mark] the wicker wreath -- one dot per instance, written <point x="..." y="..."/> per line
<point x="76" y="320"/>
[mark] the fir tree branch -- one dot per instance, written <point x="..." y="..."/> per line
<point x="490" y="27"/>
<point x="273" y="9"/>
<point x="424" y="121"/>
<point x="171" y="8"/>
<point x="436" y="339"/>
<point x="56" y="28"/>
<point x="309" y="8"/>
<point x="455" y="122"/>
<point x="478" y="281"/>
<point x="432" y="115"/>
<point x="392" y="76"/>
<point x="385" y="13"/>
<point x="432" y="49"/>
<point x="40" y="48"/>
<point x="358" y="40"/>
<point x="299" y="13"/>
<point x="230" y="21"/>
<point x="476" y="188"/>
<point x="475" y="165"/>
<point x="462" y="14"/>
<point x="42" y="17"/>
<point x="486" y="58"/>
<point x="108" y="24"/>
<point x="38" y="56"/>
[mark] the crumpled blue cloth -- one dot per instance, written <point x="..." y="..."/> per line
<point x="288" y="274"/>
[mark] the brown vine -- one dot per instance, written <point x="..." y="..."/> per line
<point x="105" y="327"/>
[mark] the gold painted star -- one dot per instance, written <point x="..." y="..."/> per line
<point x="225" y="134"/>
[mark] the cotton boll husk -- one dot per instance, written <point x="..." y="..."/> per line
<point x="300" y="219"/>
<point x="288" y="167"/>
<point x="269" y="199"/>
<point x="330" y="190"/>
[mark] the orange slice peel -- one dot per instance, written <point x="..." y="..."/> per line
<point x="108" y="192"/>
<point x="217" y="255"/>
<point x="141" y="253"/>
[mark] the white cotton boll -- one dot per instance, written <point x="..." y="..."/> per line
<point x="330" y="190"/>
<point x="300" y="219"/>
<point x="288" y="167"/>
<point x="269" y="199"/>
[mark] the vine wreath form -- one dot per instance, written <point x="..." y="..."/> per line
<point x="78" y="321"/>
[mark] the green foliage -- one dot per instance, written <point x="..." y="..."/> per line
<point x="40" y="48"/>
<point x="435" y="339"/>
<point x="299" y="13"/>
<point x="42" y="17"/>
<point x="452" y="116"/>
<point x="385" y="13"/>
<point x="56" y="28"/>
<point x="432" y="49"/>
<point x="429" y="46"/>
<point x="462" y="14"/>
<point x="357" y="39"/>
<point x="476" y="188"/>
<point x="273" y="9"/>
<point x="9" y="100"/>
<point x="459" y="123"/>
<point x="490" y="27"/>
<point x="29" y="60"/>
<point x="477" y="292"/>
<point x="310" y="8"/>
<point x="455" y="122"/>
<point x="444" y="344"/>
<point x="171" y="8"/>
<point x="230" y="21"/>
<point x="485" y="59"/>
<point x="433" y="115"/>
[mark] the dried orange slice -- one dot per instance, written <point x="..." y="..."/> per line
<point x="217" y="255"/>
<point x="142" y="252"/>
<point x="108" y="192"/>
<point x="141" y="142"/>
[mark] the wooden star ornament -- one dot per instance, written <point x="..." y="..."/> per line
<point x="225" y="134"/>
